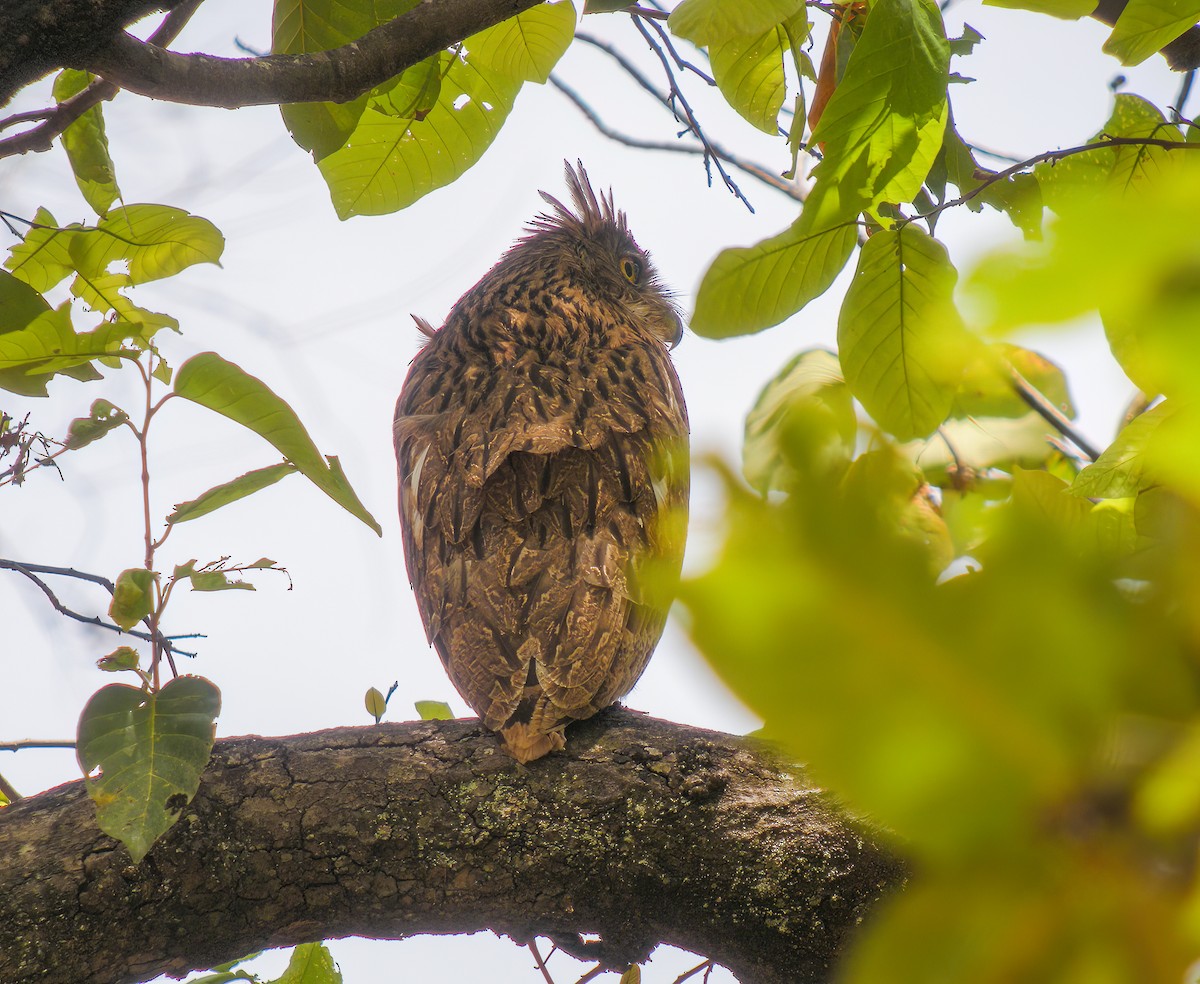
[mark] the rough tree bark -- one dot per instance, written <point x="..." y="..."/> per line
<point x="642" y="832"/>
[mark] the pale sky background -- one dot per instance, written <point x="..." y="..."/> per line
<point x="319" y="309"/>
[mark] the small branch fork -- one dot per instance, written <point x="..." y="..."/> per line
<point x="31" y="571"/>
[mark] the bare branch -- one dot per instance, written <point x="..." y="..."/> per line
<point x="1050" y="413"/>
<point x="338" y="75"/>
<point x="677" y="101"/>
<point x="789" y="188"/>
<point x="1051" y="155"/>
<point x="17" y="746"/>
<point x="31" y="571"/>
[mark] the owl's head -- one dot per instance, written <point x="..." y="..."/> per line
<point x="593" y="240"/>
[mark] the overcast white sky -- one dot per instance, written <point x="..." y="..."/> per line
<point x="319" y="309"/>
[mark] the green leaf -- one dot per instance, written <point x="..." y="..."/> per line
<point x="133" y="597"/>
<point x="217" y="581"/>
<point x="390" y="162"/>
<point x="1146" y="26"/>
<point x="311" y="963"/>
<point x="986" y="387"/>
<point x="1146" y="291"/>
<point x="976" y="445"/>
<point x="747" y="289"/>
<point x="748" y="70"/>
<point x="375" y="703"/>
<point x="708" y="22"/>
<point x="807" y="392"/>
<point x="1124" y="468"/>
<point x="305" y="26"/>
<point x="1073" y="181"/>
<point x="414" y="92"/>
<point x="526" y="47"/>
<point x="232" y="491"/>
<point x="102" y="418"/>
<point x="19" y="303"/>
<point x="87" y="145"/>
<point x="434" y="710"/>
<point x="1066" y="9"/>
<point x="121" y="658"/>
<point x="43" y="258"/>
<point x="632" y="976"/>
<point x="883" y="125"/>
<point x="212" y="382"/>
<point x="156" y="241"/>
<point x="49" y="343"/>
<point x="899" y="335"/>
<point x="150" y="749"/>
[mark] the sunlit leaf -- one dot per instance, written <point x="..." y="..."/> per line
<point x="389" y="162"/>
<point x="708" y="22"/>
<point x="155" y="240"/>
<point x="1073" y="181"/>
<point x="49" y="343"/>
<point x="748" y="70"/>
<point x="899" y="336"/>
<point x="43" y="258"/>
<point x="212" y="382"/>
<point x="87" y="145"/>
<point x="224" y="494"/>
<point x="883" y="124"/>
<point x="304" y="26"/>
<point x="433" y="710"/>
<point x="526" y="47"/>
<point x="150" y="749"/>
<point x="1146" y="26"/>
<point x="747" y="289"/>
<point x="375" y="703"/>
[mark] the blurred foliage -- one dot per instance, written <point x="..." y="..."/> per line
<point x="970" y="630"/>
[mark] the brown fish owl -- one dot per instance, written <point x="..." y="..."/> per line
<point x="541" y="445"/>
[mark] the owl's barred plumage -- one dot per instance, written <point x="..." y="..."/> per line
<point x="541" y="446"/>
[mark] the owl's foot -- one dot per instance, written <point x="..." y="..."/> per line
<point x="526" y="745"/>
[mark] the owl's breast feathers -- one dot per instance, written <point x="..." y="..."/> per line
<point x="543" y="499"/>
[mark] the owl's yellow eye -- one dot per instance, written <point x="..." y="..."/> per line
<point x="631" y="269"/>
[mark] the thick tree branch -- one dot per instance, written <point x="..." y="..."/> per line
<point x="56" y="120"/>
<point x="643" y="831"/>
<point x="338" y="75"/>
<point x="37" y="37"/>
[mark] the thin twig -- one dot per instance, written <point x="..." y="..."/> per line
<point x="650" y="13"/>
<point x="763" y="174"/>
<point x="31" y="572"/>
<point x="56" y="119"/>
<point x="592" y="974"/>
<point x="541" y="964"/>
<point x="6" y="788"/>
<point x="789" y="188"/>
<point x="677" y="101"/>
<point x="683" y="63"/>
<point x="706" y="966"/>
<point x="17" y="746"/>
<point x="1050" y="413"/>
<point x="1052" y="155"/>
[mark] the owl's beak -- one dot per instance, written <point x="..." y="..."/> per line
<point x="678" y="335"/>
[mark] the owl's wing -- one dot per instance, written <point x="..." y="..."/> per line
<point x="543" y="533"/>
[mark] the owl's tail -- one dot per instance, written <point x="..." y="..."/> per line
<point x="525" y="745"/>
